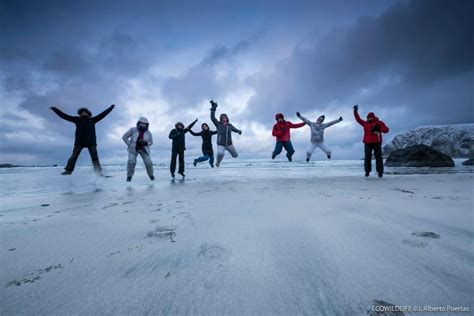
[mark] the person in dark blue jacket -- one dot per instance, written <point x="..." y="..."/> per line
<point x="207" y="150"/>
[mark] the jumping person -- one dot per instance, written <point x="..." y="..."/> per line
<point x="317" y="134"/>
<point x="207" y="150"/>
<point x="224" y="134"/>
<point x="373" y="129"/>
<point x="84" y="137"/>
<point x="281" y="130"/>
<point x="139" y="140"/>
<point x="177" y="135"/>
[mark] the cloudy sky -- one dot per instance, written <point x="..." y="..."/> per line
<point x="411" y="62"/>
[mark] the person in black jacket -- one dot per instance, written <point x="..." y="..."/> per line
<point x="84" y="136"/>
<point x="207" y="150"/>
<point x="179" y="146"/>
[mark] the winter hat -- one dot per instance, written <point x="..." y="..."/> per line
<point x="322" y="116"/>
<point x="84" y="110"/>
<point x="222" y="116"/>
<point x="371" y="115"/>
<point x="143" y="120"/>
<point x="279" y="115"/>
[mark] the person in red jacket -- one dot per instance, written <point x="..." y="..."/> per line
<point x="373" y="129"/>
<point x="281" y="130"/>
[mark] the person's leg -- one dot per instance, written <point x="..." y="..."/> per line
<point x="310" y="151"/>
<point x="181" y="162"/>
<point x="325" y="149"/>
<point x="289" y="150"/>
<point x="202" y="158"/>
<point x="95" y="158"/>
<point x="378" y="158"/>
<point x="71" y="163"/>
<point x="278" y="148"/>
<point x="220" y="154"/>
<point x="132" y="162"/>
<point x="148" y="163"/>
<point x="174" y="154"/>
<point x="367" y="159"/>
<point x="232" y="151"/>
<point x="211" y="159"/>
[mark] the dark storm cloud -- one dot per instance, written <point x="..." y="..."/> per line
<point x="405" y="57"/>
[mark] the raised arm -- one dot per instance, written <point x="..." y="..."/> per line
<point x="304" y="119"/>
<point x="357" y="116"/>
<point x="63" y="115"/>
<point x="126" y="136"/>
<point x="190" y="126"/>
<point x="213" y="117"/>
<point x="100" y="116"/>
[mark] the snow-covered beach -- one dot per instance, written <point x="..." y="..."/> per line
<point x="249" y="238"/>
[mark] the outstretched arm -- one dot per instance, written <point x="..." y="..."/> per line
<point x="297" y="125"/>
<point x="194" y="133"/>
<point x="63" y="115"/>
<point x="331" y="123"/>
<point x="100" y="116"/>
<point x="235" y="130"/>
<point x="126" y="136"/>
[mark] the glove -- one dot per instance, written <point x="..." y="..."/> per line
<point x="239" y="132"/>
<point x="340" y="118"/>
<point x="298" y="114"/>
<point x="356" y="108"/>
<point x="376" y="129"/>
<point x="144" y="143"/>
<point x="213" y="105"/>
<point x="112" y="106"/>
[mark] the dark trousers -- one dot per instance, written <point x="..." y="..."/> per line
<point x="174" y="155"/>
<point x="377" y="149"/>
<point x="206" y="156"/>
<point x="71" y="163"/>
<point x="279" y="147"/>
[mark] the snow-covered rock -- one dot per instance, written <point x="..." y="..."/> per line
<point x="418" y="156"/>
<point x="456" y="140"/>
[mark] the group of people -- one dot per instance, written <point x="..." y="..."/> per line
<point x="139" y="139"/>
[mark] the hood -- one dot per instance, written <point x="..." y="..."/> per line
<point x="321" y="116"/>
<point x="177" y="124"/>
<point x="279" y="115"/>
<point x="202" y="125"/>
<point x="222" y="116"/>
<point x="143" y="120"/>
<point x="371" y="115"/>
<point x="80" y="110"/>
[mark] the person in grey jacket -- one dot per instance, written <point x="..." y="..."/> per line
<point x="139" y="140"/>
<point x="317" y="134"/>
<point x="224" y="134"/>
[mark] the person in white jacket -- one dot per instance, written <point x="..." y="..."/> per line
<point x="139" y="140"/>
<point x="317" y="134"/>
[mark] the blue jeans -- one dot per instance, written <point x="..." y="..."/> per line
<point x="205" y="158"/>
<point x="288" y="147"/>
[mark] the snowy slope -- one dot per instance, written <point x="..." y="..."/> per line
<point x="457" y="141"/>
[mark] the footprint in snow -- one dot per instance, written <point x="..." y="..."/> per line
<point x="427" y="235"/>
<point x="213" y="252"/>
<point x="415" y="243"/>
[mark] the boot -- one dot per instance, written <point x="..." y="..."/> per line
<point x="129" y="178"/>
<point x="66" y="173"/>
<point x="152" y="178"/>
